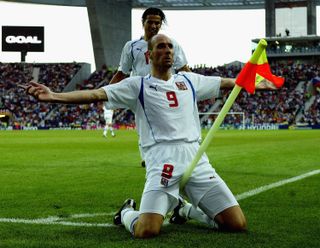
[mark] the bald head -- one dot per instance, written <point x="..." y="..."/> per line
<point x="156" y="39"/>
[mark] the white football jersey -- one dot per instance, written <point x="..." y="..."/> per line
<point x="135" y="59"/>
<point x="165" y="111"/>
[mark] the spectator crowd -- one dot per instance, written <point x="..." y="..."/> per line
<point x="286" y="106"/>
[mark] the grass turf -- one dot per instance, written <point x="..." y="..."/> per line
<point x="62" y="173"/>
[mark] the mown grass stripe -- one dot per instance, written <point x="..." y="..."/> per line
<point x="54" y="220"/>
<point x="275" y="185"/>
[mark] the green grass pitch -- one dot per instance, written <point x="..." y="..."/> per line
<point x="71" y="179"/>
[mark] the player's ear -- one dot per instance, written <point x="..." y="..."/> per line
<point x="150" y="48"/>
<point x="150" y="54"/>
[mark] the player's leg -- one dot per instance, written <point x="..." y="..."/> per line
<point x="220" y="205"/>
<point x="217" y="206"/>
<point x="185" y="211"/>
<point x="105" y="130"/>
<point x="154" y="207"/>
<point x="232" y="219"/>
<point x="111" y="130"/>
<point x="147" y="222"/>
<point x="148" y="225"/>
<point x="128" y="205"/>
<point x="109" y="122"/>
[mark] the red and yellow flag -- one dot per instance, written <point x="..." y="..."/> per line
<point x="252" y="72"/>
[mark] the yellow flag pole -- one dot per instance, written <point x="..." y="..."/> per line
<point x="225" y="109"/>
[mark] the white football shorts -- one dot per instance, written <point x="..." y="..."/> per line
<point x="167" y="163"/>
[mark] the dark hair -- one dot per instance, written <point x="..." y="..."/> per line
<point x="153" y="11"/>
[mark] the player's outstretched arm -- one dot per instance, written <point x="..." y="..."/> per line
<point x="43" y="94"/>
<point x="263" y="85"/>
<point x="227" y="83"/>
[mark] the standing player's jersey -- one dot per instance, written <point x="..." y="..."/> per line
<point x="135" y="58"/>
<point x="165" y="111"/>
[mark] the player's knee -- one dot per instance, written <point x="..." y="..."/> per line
<point x="146" y="232"/>
<point x="233" y="227"/>
<point x="238" y="226"/>
<point x="232" y="220"/>
<point x="148" y="225"/>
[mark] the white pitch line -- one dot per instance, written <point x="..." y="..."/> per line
<point x="55" y="220"/>
<point x="76" y="216"/>
<point x="275" y="185"/>
<point x="48" y="221"/>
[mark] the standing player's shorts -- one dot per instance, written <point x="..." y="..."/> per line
<point x="167" y="163"/>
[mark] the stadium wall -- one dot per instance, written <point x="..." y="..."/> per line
<point x="81" y="75"/>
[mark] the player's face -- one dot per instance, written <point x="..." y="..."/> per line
<point x="151" y="26"/>
<point x="162" y="52"/>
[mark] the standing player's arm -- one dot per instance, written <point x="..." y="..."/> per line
<point x="43" y="94"/>
<point x="117" y="77"/>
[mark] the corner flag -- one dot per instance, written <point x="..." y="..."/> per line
<point x="253" y="70"/>
<point x="257" y="66"/>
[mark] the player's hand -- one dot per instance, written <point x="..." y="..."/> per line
<point x="266" y="85"/>
<point x="38" y="91"/>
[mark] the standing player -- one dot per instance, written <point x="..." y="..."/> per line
<point x="107" y="114"/>
<point x="135" y="59"/>
<point x="168" y="125"/>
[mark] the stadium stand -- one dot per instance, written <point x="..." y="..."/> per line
<point x="281" y="106"/>
<point x="292" y="105"/>
<point x="24" y="110"/>
<point x="311" y="116"/>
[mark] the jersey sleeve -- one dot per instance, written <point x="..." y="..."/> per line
<point x="125" y="64"/>
<point x="123" y="94"/>
<point x="180" y="59"/>
<point x="205" y="87"/>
